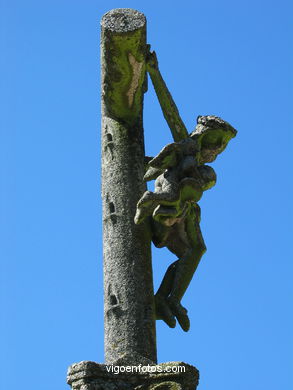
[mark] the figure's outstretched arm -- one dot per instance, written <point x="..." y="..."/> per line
<point x="167" y="103"/>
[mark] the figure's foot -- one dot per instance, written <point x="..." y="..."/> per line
<point x="163" y="311"/>
<point x="180" y="313"/>
<point x="167" y="309"/>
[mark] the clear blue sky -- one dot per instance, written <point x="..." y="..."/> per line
<point x="223" y="57"/>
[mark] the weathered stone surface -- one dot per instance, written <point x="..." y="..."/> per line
<point x="128" y="286"/>
<point x="88" y="375"/>
<point x="123" y="53"/>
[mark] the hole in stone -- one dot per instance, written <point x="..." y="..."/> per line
<point x="112" y="207"/>
<point x="113" y="218"/>
<point x="113" y="299"/>
<point x="109" y="137"/>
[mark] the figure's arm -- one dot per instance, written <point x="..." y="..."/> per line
<point x="167" y="103"/>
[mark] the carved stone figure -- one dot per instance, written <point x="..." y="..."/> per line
<point x="181" y="178"/>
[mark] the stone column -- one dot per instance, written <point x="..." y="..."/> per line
<point x="128" y="286"/>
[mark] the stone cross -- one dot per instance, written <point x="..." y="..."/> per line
<point x="133" y="216"/>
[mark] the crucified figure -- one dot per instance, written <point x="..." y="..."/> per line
<point x="181" y="177"/>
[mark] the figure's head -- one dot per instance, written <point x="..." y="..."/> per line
<point x="212" y="135"/>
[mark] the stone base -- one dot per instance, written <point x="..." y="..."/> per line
<point x="88" y="375"/>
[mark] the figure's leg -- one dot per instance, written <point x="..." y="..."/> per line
<point x="184" y="271"/>
<point x="167" y="282"/>
<point x="163" y="311"/>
